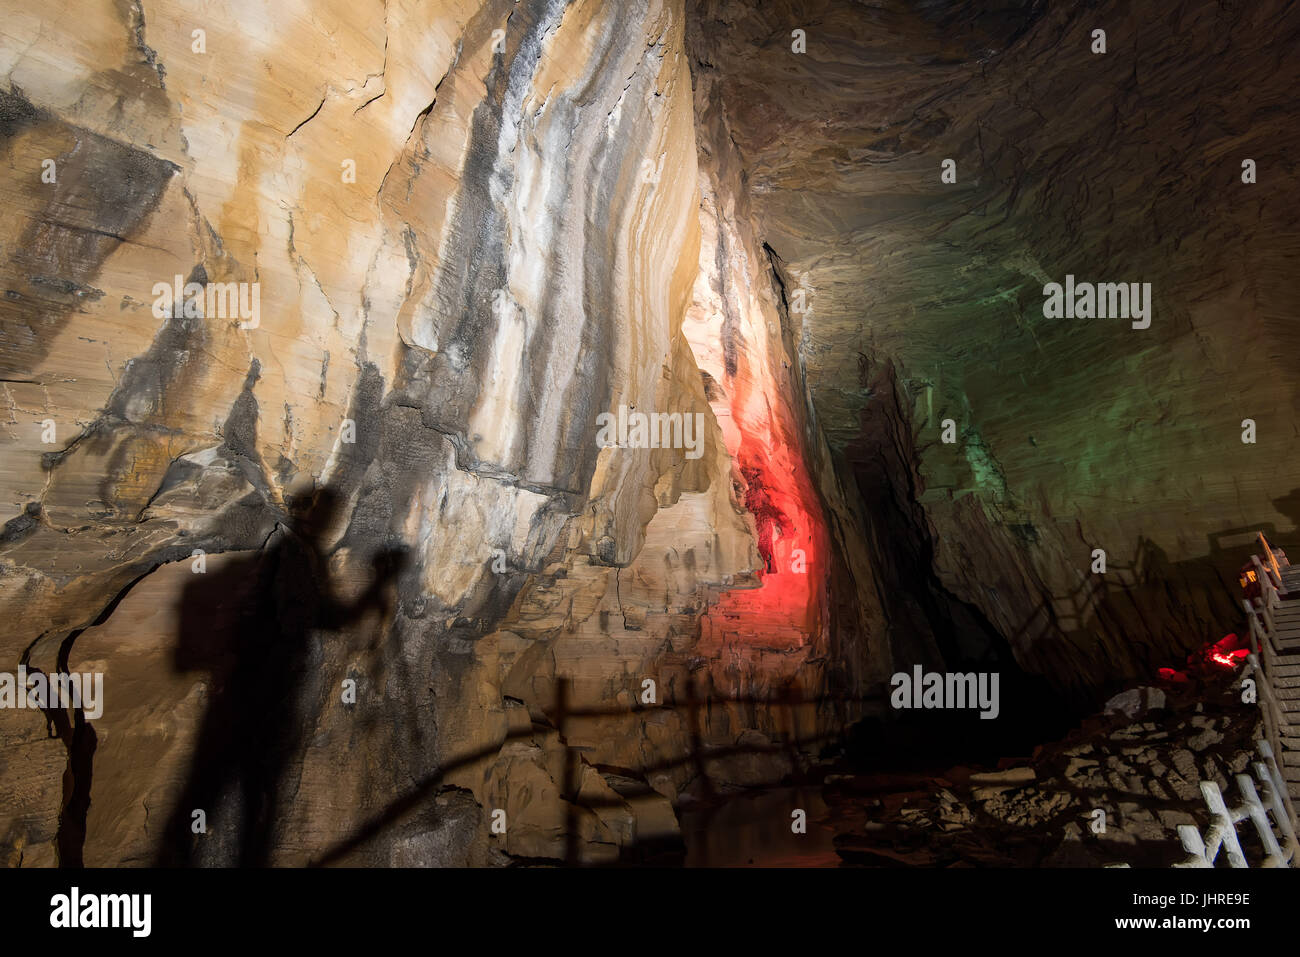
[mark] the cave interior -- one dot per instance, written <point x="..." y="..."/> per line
<point x="486" y="432"/>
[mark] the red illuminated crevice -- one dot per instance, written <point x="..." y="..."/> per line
<point x="785" y="610"/>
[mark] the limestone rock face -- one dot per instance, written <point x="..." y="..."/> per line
<point x="345" y="544"/>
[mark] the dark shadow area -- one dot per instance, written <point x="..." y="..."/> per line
<point x="929" y="625"/>
<point x="250" y="626"/>
<point x="80" y="742"/>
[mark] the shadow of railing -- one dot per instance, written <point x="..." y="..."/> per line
<point x="1062" y="613"/>
<point x="698" y="755"/>
<point x="1150" y="599"/>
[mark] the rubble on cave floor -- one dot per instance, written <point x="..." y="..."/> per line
<point x="1142" y="771"/>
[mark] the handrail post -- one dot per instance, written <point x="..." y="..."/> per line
<point x="1255" y="811"/>
<point x="1223" y="829"/>
<point x="1279" y="785"/>
<point x="1281" y="814"/>
<point x="1190" y="838"/>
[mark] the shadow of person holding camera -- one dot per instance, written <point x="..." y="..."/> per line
<point x="250" y="625"/>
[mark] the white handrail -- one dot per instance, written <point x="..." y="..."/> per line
<point x="1222" y="833"/>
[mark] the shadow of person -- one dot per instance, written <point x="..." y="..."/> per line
<point x="250" y="625"/>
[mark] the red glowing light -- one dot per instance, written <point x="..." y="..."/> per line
<point x="1229" y="660"/>
<point x="776" y="489"/>
<point x="1225" y="652"/>
<point x="1212" y="657"/>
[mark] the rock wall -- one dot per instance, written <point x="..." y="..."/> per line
<point x="353" y="562"/>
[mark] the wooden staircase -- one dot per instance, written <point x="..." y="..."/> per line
<point x="1275" y="640"/>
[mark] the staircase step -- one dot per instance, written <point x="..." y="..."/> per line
<point x="1283" y="692"/>
<point x="1291" y="759"/>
